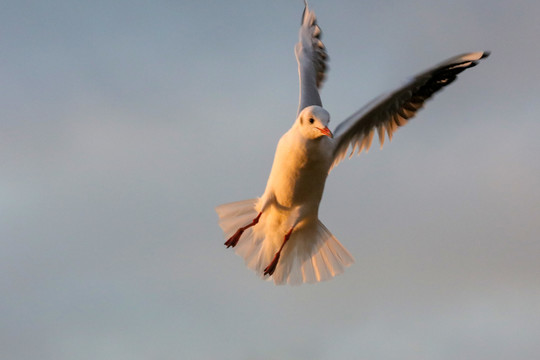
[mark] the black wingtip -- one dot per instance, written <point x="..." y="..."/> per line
<point x="485" y="54"/>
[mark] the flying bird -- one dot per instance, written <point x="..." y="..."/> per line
<point x="279" y="235"/>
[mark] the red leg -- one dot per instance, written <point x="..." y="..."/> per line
<point x="233" y="240"/>
<point x="272" y="267"/>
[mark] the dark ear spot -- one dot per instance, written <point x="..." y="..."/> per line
<point x="301" y="120"/>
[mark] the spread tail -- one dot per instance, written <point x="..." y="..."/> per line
<point x="311" y="255"/>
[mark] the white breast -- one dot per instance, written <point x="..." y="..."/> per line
<point x="299" y="171"/>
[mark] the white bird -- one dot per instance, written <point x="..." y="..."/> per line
<point x="279" y="234"/>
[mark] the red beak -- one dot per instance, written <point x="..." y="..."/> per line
<point x="326" y="131"/>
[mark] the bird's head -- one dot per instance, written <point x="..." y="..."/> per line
<point x="313" y="122"/>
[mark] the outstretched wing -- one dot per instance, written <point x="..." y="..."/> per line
<point x="311" y="57"/>
<point x="389" y="111"/>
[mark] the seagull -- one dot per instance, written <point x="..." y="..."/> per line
<point x="279" y="234"/>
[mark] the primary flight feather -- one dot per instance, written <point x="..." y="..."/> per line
<point x="279" y="234"/>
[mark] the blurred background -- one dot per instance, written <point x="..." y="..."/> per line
<point x="124" y="123"/>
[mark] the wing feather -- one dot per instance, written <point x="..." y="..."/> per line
<point x="392" y="110"/>
<point x="312" y="58"/>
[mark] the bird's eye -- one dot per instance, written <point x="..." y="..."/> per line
<point x="311" y="121"/>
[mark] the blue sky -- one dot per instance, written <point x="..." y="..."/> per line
<point x="123" y="124"/>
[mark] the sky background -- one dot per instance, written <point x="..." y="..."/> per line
<point x="124" y="123"/>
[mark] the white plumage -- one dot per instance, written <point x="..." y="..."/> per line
<point x="279" y="235"/>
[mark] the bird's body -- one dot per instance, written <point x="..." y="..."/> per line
<point x="280" y="235"/>
<point x="299" y="171"/>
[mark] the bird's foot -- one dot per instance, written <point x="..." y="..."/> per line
<point x="272" y="267"/>
<point x="233" y="240"/>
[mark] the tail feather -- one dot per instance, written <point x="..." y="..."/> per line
<point x="312" y="253"/>
<point x="236" y="214"/>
